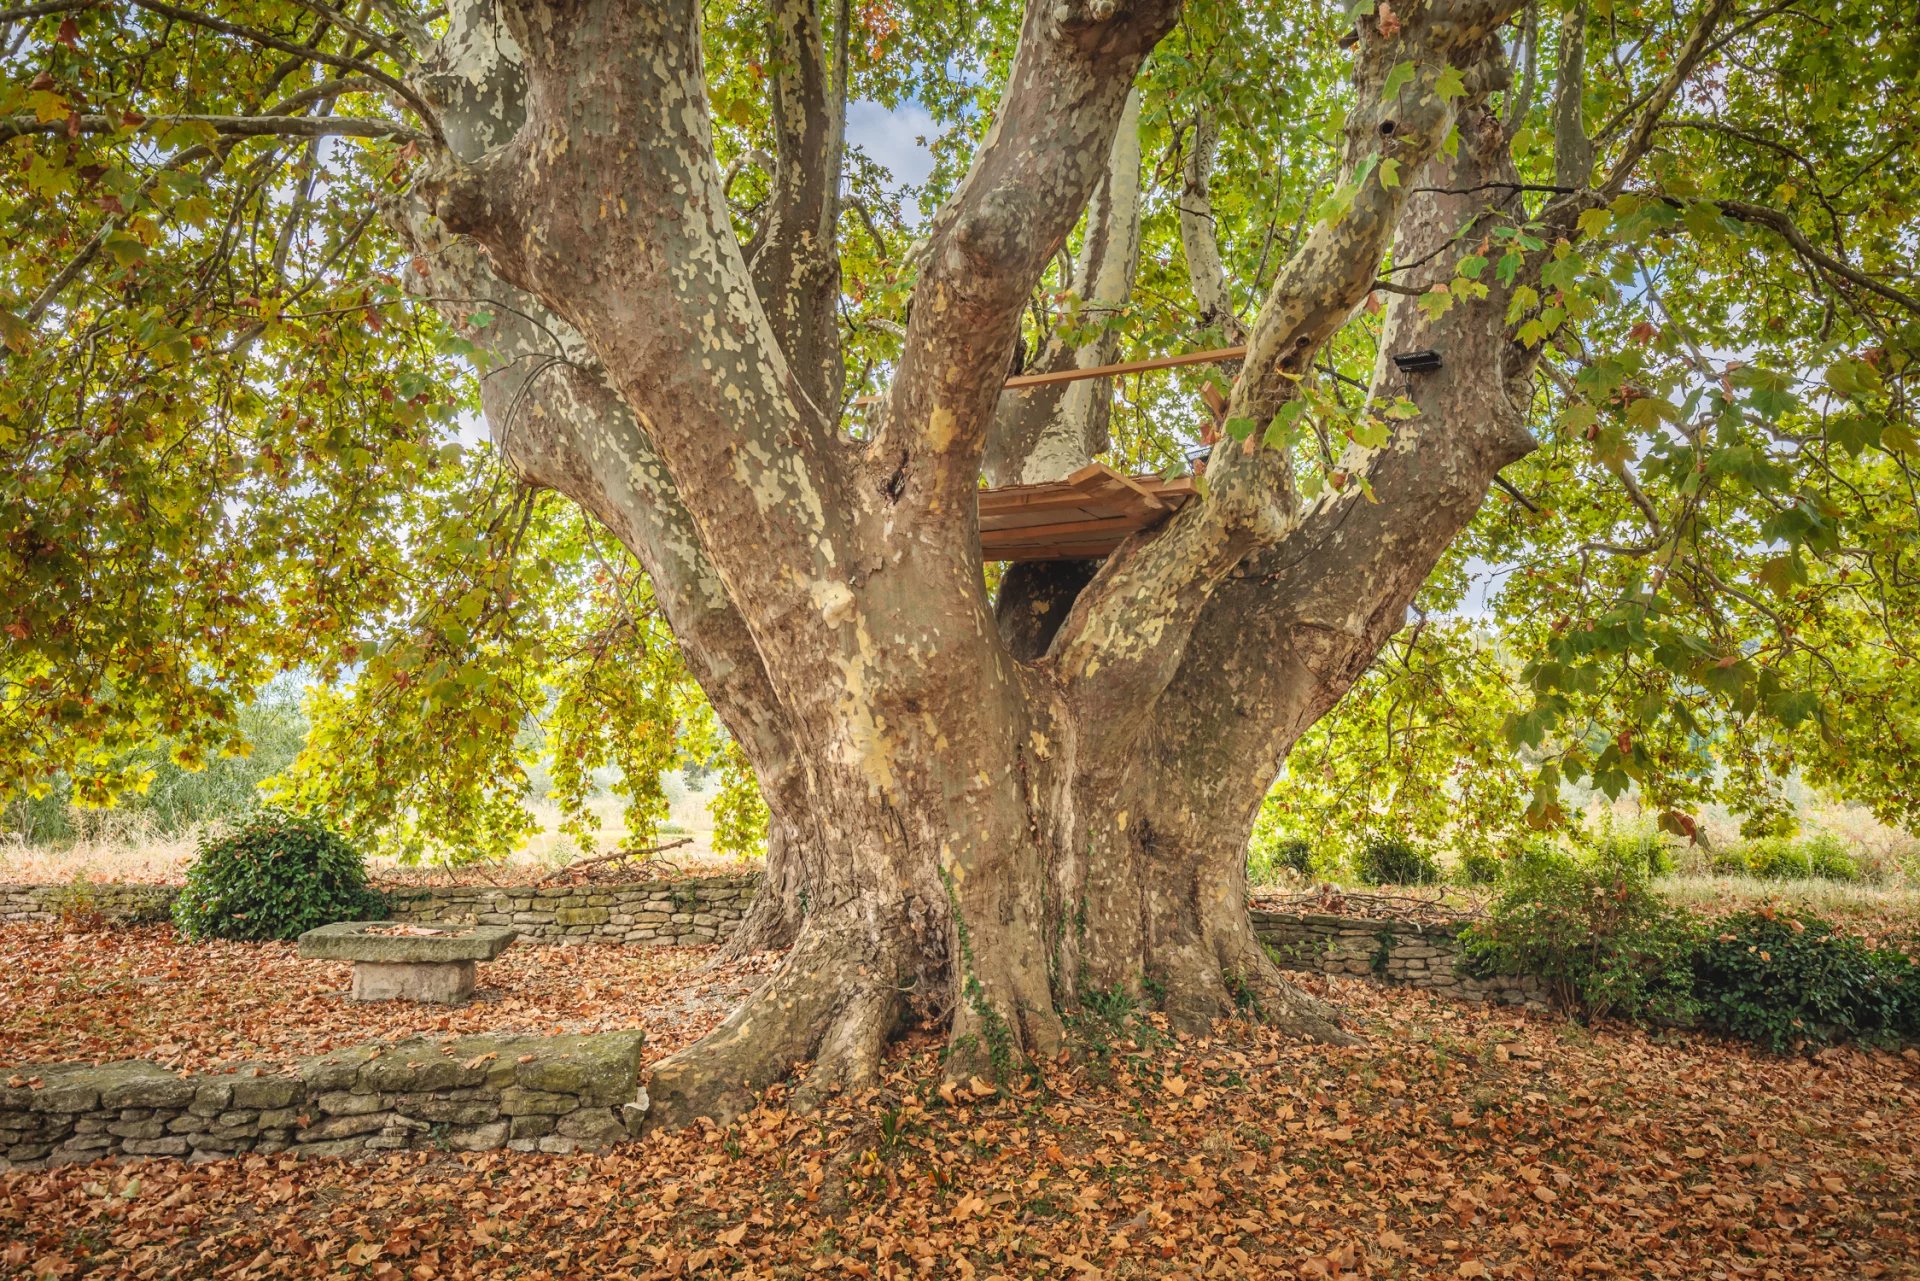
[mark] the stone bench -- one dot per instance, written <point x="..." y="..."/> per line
<point x="399" y="961"/>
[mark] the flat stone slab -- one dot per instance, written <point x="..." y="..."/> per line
<point x="397" y="942"/>
<point x="443" y="982"/>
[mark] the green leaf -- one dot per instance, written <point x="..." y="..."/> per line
<point x="1397" y="79"/>
<point x="1451" y="84"/>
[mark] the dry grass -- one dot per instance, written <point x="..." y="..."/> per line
<point x="1874" y="908"/>
<point x="127" y="851"/>
<point x="121" y="847"/>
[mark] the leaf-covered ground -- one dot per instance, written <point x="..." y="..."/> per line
<point x="1457" y="1142"/>
<point x="143" y="993"/>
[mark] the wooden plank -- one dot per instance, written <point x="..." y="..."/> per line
<point x="1122" y="525"/>
<point x="1082" y="517"/>
<point x="1127" y="367"/>
<point x="1019" y="381"/>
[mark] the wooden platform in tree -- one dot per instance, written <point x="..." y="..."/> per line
<point x="1083" y="517"/>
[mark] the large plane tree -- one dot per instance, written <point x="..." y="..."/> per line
<point x="1646" y="263"/>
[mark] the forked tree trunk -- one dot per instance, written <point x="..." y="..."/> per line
<point x="993" y="818"/>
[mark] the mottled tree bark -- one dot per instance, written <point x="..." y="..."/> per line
<point x="1000" y="814"/>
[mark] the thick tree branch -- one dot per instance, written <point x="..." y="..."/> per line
<point x="1697" y="44"/>
<point x="1127" y="632"/>
<point x="1047" y="149"/>
<point x="1199" y="237"/>
<point x="795" y="258"/>
<point x="1051" y="430"/>
<point x="1291" y="630"/>
<point x="1572" y="149"/>
<point x="551" y="410"/>
<point x="226" y="126"/>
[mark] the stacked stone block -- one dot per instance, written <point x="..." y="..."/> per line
<point x="703" y="909"/>
<point x="111" y="901"/>
<point x="527" y="1093"/>
<point x="1415" y="954"/>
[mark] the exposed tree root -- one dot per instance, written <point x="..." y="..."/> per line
<point x="824" y="1003"/>
<point x="1266" y="994"/>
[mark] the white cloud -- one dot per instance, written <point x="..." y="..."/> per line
<point x="891" y="138"/>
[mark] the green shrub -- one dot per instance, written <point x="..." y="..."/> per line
<point x="1643" y="851"/>
<point x="1388" y="860"/>
<point x="1539" y="852"/>
<point x="1479" y="866"/>
<point x="1269" y="854"/>
<point x="1295" y="855"/>
<point x="275" y="876"/>
<point x="1779" y="980"/>
<point x="1595" y="932"/>
<point x="1821" y="856"/>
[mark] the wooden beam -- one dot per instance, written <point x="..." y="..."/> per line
<point x="1021" y="381"/>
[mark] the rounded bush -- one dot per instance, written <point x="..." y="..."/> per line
<point x="1600" y="937"/>
<point x="1295" y="855"/>
<point x="1388" y="860"/>
<point x="1778" y="858"/>
<point x="274" y="877"/>
<point x="1645" y="852"/>
<point x="1479" y="866"/>
<point x="1781" y="980"/>
<point x="1269" y="853"/>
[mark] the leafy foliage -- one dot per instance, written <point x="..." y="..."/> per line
<point x="1609" y="945"/>
<point x="1392" y="860"/>
<point x="1596" y="932"/>
<point x="1778" y="858"/>
<point x="1480" y="866"/>
<point x="1643" y="851"/>
<point x="1781" y="979"/>
<point x="166" y="797"/>
<point x="1270" y="852"/>
<point x="276" y="876"/>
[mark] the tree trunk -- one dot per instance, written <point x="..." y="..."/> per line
<point x="995" y="817"/>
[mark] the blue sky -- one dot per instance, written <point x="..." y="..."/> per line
<point x="888" y="138"/>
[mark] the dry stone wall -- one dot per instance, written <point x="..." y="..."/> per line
<point x="112" y="901"/>
<point x="702" y="909"/>
<point x="528" y="1093"/>
<point x="1414" y="954"/>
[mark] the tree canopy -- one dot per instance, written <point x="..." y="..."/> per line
<point x="232" y="433"/>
